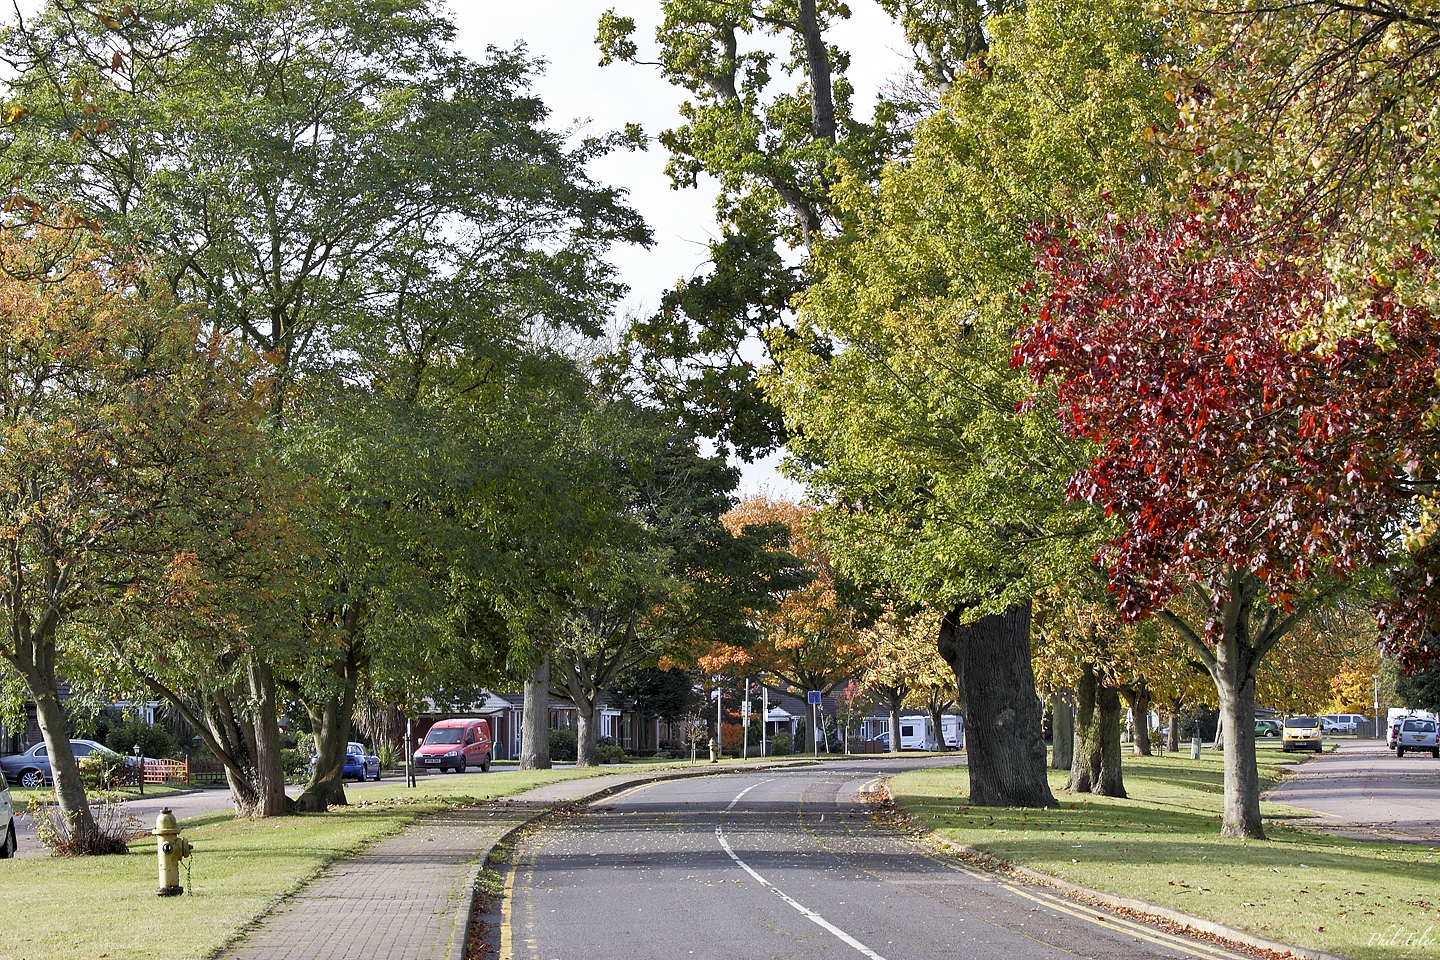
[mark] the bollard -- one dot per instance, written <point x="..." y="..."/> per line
<point x="170" y="849"/>
<point x="1195" y="749"/>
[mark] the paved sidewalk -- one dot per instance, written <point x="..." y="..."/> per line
<point x="409" y="896"/>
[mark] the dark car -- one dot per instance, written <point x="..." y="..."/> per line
<point x="1268" y="728"/>
<point x="32" y="768"/>
<point x="358" y="763"/>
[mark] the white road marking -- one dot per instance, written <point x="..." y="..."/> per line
<point x="805" y="911"/>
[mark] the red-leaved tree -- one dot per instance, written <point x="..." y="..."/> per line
<point x="1260" y="477"/>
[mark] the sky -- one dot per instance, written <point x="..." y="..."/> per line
<point x="589" y="98"/>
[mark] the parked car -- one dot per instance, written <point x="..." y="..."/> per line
<point x="1418" y="733"/>
<point x="7" y="817"/>
<point x="1301" y="733"/>
<point x="1268" y="728"/>
<point x="1398" y="715"/>
<point x="31" y="769"/>
<point x="1335" y="723"/>
<point x="358" y="763"/>
<point x="455" y="745"/>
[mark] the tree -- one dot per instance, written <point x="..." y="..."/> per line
<point x="1259" y="479"/>
<point x="664" y="576"/>
<point x="775" y="156"/>
<point x="809" y="640"/>
<point x="897" y="650"/>
<point x="1421" y="690"/>
<point x="905" y="428"/>
<point x="333" y="182"/>
<point x="130" y="437"/>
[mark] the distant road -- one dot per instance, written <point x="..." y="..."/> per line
<point x="783" y="864"/>
<point x="1363" y="790"/>
<point x="192" y="803"/>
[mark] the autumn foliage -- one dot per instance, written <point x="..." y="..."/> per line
<point x="1219" y="444"/>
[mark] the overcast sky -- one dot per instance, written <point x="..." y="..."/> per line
<point x="578" y="90"/>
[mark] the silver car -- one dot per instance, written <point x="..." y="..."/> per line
<point x="7" y="817"/>
<point x="1416" y="733"/>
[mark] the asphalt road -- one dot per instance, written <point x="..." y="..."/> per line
<point x="1363" y="790"/>
<point x="781" y="864"/>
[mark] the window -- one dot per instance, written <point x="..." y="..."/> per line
<point x="907" y="731"/>
<point x="443" y="735"/>
<point x="80" y="749"/>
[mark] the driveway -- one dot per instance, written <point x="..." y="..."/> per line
<point x="1364" y="791"/>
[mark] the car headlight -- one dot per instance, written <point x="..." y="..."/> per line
<point x="453" y="753"/>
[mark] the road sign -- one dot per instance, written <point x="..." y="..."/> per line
<point x="812" y="696"/>
<point x="745" y="708"/>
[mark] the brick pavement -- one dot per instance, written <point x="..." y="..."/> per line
<point x="409" y="896"/>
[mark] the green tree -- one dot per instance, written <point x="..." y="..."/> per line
<point x="913" y="429"/>
<point x="331" y="180"/>
<point x="130" y="437"/>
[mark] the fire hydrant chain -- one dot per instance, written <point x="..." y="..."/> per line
<point x="170" y="850"/>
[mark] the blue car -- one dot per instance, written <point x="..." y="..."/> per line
<point x="358" y="763"/>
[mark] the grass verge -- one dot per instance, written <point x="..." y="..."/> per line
<point x="106" y="906"/>
<point x="1163" y="845"/>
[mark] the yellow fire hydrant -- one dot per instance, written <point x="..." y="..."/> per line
<point x="170" y="849"/>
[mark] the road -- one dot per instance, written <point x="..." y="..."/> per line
<point x="782" y="864"/>
<point x="1363" y="790"/>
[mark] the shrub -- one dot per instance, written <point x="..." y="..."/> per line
<point x="390" y="754"/>
<point x="609" y="752"/>
<point x="106" y="771"/>
<point x="1157" y="740"/>
<point x="780" y="746"/>
<point x="563" y="744"/>
<point x="114" y="829"/>
<point x="154" y="741"/>
<point x="732" y="738"/>
<point x="294" y="762"/>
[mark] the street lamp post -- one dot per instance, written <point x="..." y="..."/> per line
<point x="1375" y="677"/>
<point x="140" y="761"/>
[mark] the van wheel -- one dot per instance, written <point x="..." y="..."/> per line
<point x="1399" y="751"/>
<point x="485" y="764"/>
<point x="1435" y="753"/>
<point x="461" y="768"/>
<point x="8" y="848"/>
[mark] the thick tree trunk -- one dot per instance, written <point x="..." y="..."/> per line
<point x="1006" y="749"/>
<point x="1235" y="683"/>
<point x="1096" y="765"/>
<point x="936" y="715"/>
<point x="1137" y="698"/>
<point x="535" y="724"/>
<point x="332" y="718"/>
<point x="894" y="728"/>
<point x="586" y="732"/>
<point x="270" y="799"/>
<point x="1062" y="731"/>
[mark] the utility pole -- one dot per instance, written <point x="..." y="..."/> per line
<point x="745" y="723"/>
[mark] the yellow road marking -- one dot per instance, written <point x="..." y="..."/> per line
<point x="507" y="945"/>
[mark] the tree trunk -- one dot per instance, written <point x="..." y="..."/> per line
<point x="936" y="715"/>
<point x="586" y="732"/>
<point x="1062" y="731"/>
<point x="1235" y="682"/>
<point x="332" y="719"/>
<point x="894" y="727"/>
<point x="1006" y="750"/>
<point x="1137" y="698"/>
<point x="1172" y="739"/>
<point x="535" y="724"/>
<point x="34" y="658"/>
<point x="1096" y="765"/>
<point x="270" y="799"/>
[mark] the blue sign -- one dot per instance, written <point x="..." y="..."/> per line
<point x="812" y="697"/>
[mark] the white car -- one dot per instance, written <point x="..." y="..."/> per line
<point x="1417" y="733"/>
<point x="1333" y="723"/>
<point x="7" y="817"/>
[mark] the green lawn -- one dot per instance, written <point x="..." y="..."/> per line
<point x="1163" y="845"/>
<point x="106" y="906"/>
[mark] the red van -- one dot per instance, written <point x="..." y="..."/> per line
<point x="456" y="744"/>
